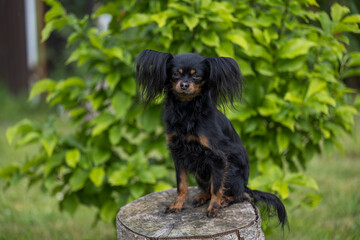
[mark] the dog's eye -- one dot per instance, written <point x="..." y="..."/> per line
<point x="196" y="77"/>
<point x="176" y="75"/>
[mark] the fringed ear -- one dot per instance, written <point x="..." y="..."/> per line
<point x="151" y="73"/>
<point x="225" y="80"/>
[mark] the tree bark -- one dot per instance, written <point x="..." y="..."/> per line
<point x="145" y="219"/>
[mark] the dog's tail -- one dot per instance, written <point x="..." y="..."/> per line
<point x="272" y="204"/>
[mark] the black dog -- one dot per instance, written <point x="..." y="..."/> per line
<point x="200" y="138"/>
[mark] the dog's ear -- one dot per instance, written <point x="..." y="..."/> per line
<point x="151" y="73"/>
<point x="225" y="80"/>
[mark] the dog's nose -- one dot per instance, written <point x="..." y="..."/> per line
<point x="184" y="85"/>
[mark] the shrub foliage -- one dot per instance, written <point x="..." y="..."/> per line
<point x="293" y="56"/>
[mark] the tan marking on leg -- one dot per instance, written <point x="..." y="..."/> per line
<point x="201" y="199"/>
<point x="169" y="137"/>
<point x="204" y="141"/>
<point x="201" y="139"/>
<point x="183" y="188"/>
<point x="182" y="194"/>
<point x="215" y="201"/>
<point x="190" y="138"/>
<point x="205" y="196"/>
<point x="226" y="201"/>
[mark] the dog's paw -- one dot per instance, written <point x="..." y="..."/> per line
<point x="212" y="212"/>
<point x="201" y="200"/>
<point x="173" y="208"/>
<point x="198" y="202"/>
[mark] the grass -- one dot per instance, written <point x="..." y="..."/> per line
<point x="338" y="214"/>
<point x="32" y="214"/>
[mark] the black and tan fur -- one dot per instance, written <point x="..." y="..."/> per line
<point x="202" y="141"/>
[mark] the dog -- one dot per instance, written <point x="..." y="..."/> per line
<point x="201" y="139"/>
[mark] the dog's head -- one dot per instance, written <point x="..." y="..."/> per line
<point x="187" y="76"/>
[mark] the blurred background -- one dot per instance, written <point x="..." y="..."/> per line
<point x="29" y="213"/>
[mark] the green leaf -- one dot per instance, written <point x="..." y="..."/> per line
<point x="158" y="171"/>
<point x="264" y="68"/>
<point x="312" y="200"/>
<point x="191" y="21"/>
<point x="354" y="60"/>
<point x="295" y="47"/>
<point x="78" y="179"/>
<point x="293" y="97"/>
<point x="42" y="86"/>
<point x="313" y="2"/>
<point x="77" y="112"/>
<point x="28" y="138"/>
<point x="245" y="67"/>
<point x="70" y="82"/>
<point x="282" y="141"/>
<point x="210" y="39"/>
<point x="226" y="49"/>
<point x="355" y="18"/>
<point x="352" y="72"/>
<point x="269" y="107"/>
<point x="290" y="65"/>
<point x="128" y="85"/>
<point x="160" y="18"/>
<point x="58" y="24"/>
<point x="72" y="157"/>
<point x="102" y="122"/>
<point x="161" y="186"/>
<point x="300" y="179"/>
<point x="115" y="134"/>
<point x="150" y="119"/>
<point x="56" y="11"/>
<point x="97" y="176"/>
<point x="49" y="144"/>
<point x="342" y="28"/>
<point x="256" y="50"/>
<point x="338" y="12"/>
<point x="100" y="156"/>
<point x="70" y="203"/>
<point x="121" y="103"/>
<point x="54" y="161"/>
<point x="96" y="41"/>
<point x="282" y="188"/>
<point x="181" y="7"/>
<point x="146" y="177"/>
<point x="262" y="152"/>
<point x="137" y="190"/>
<point x="8" y="171"/>
<point x="114" y="52"/>
<point x="109" y="210"/>
<point x="315" y="86"/>
<point x="135" y="20"/>
<point x="120" y="177"/>
<point x="112" y="79"/>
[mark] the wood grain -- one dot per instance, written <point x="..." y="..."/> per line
<point x="145" y="219"/>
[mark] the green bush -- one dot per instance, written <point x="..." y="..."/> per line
<point x="294" y="105"/>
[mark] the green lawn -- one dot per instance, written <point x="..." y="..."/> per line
<point x="32" y="214"/>
<point x="338" y="214"/>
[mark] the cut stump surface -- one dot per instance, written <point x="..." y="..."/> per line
<point x="145" y="218"/>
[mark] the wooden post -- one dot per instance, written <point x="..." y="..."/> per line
<point x="145" y="219"/>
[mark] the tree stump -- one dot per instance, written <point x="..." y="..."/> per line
<point x="145" y="219"/>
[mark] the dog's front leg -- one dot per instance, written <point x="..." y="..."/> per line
<point x="216" y="188"/>
<point x="182" y="190"/>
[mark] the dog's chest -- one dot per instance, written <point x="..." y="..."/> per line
<point x="189" y="150"/>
